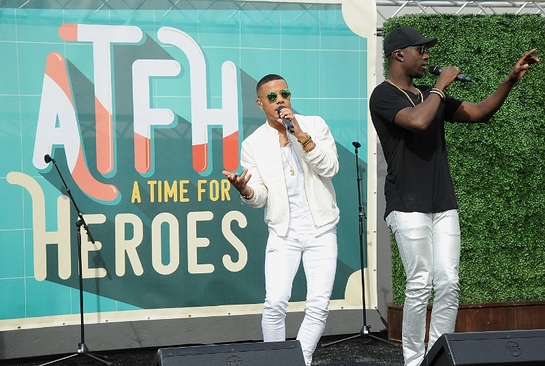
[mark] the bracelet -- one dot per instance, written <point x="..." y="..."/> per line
<point x="311" y="148"/>
<point x="250" y="196"/>
<point x="438" y="92"/>
<point x="307" y="141"/>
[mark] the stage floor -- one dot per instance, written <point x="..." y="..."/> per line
<point x="359" y="351"/>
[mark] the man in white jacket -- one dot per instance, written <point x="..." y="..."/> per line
<point x="288" y="163"/>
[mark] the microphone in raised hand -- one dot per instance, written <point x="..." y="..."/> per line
<point x="437" y="70"/>
<point x="286" y="121"/>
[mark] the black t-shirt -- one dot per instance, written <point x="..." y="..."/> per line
<point x="418" y="177"/>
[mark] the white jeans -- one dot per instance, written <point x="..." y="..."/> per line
<point x="282" y="259"/>
<point x="429" y="246"/>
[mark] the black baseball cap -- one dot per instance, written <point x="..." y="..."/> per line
<point x="400" y="38"/>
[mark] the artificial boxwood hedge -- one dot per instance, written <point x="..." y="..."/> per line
<point x="497" y="167"/>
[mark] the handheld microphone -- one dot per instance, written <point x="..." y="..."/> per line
<point x="48" y="159"/>
<point x="286" y="121"/>
<point x="356" y="144"/>
<point x="437" y="70"/>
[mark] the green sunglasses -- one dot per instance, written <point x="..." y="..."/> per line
<point x="285" y="93"/>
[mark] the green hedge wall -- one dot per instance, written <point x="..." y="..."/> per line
<point x="497" y="167"/>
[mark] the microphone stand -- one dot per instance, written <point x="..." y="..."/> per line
<point x="365" y="330"/>
<point x="82" y="348"/>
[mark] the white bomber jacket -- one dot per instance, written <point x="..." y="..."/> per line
<point x="261" y="154"/>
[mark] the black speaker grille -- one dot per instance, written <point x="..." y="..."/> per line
<point x="505" y="348"/>
<point x="286" y="353"/>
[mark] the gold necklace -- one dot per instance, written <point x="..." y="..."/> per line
<point x="292" y="171"/>
<point x="407" y="95"/>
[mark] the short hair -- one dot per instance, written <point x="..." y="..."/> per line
<point x="265" y="79"/>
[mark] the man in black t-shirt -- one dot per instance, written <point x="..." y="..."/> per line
<point x="421" y="208"/>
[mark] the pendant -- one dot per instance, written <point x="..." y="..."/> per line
<point x="292" y="171"/>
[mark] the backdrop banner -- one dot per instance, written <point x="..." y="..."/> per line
<point x="141" y="111"/>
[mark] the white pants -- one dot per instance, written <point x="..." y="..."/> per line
<point x="429" y="246"/>
<point x="282" y="259"/>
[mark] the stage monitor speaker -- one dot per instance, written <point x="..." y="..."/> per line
<point x="498" y="348"/>
<point x="236" y="354"/>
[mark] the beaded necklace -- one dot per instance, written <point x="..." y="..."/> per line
<point x="407" y="95"/>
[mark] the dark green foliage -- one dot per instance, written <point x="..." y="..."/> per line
<point x="498" y="167"/>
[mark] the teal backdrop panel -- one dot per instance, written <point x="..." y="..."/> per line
<point x="141" y="111"/>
